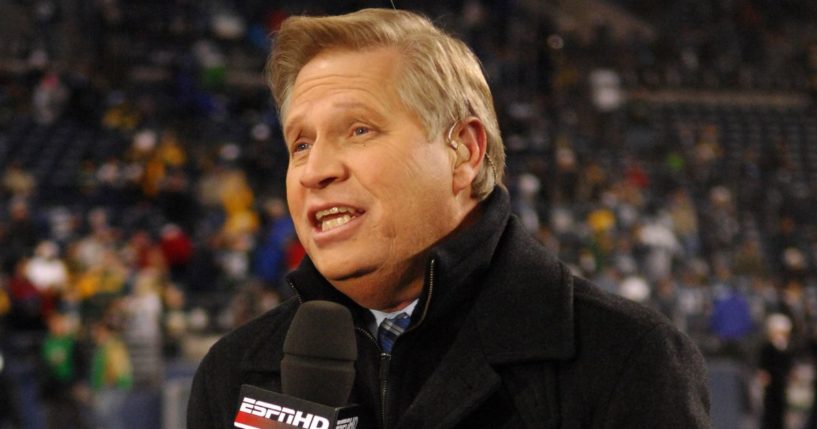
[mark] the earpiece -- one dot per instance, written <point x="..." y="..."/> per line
<point x="449" y="139"/>
<point x="462" y="155"/>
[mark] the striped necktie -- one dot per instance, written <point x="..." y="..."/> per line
<point x="390" y="329"/>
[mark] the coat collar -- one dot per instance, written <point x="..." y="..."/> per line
<point x="525" y="312"/>
<point x="524" y="305"/>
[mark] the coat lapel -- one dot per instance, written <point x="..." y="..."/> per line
<point x="462" y="382"/>
<point x="534" y="389"/>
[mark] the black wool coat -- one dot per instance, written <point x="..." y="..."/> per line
<point x="503" y="336"/>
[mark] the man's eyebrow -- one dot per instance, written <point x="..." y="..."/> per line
<point x="285" y="127"/>
<point x="339" y="105"/>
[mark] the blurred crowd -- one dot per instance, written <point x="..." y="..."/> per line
<point x="151" y="211"/>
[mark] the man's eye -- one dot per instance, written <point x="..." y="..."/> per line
<point x="359" y="131"/>
<point x="300" y="147"/>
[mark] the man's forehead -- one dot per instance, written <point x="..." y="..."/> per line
<point x="361" y="80"/>
<point x="371" y="64"/>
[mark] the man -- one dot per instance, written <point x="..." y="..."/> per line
<point x="394" y="188"/>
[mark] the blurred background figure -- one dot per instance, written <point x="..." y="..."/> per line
<point x="64" y="389"/>
<point x="111" y="377"/>
<point x="9" y="410"/>
<point x="774" y="370"/>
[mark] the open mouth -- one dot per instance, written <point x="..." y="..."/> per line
<point x="334" y="217"/>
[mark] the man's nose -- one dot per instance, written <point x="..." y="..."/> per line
<point x="323" y="166"/>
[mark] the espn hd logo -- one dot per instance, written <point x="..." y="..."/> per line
<point x="254" y="414"/>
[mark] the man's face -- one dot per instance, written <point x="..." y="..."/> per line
<point x="368" y="193"/>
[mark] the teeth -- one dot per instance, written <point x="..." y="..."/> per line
<point x="334" y="217"/>
<point x="334" y="210"/>
<point x="335" y="222"/>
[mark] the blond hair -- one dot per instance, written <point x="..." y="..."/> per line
<point x="441" y="81"/>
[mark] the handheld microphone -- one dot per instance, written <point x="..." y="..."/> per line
<point x="319" y="354"/>
<point x="317" y="374"/>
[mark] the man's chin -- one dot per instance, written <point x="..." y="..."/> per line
<point x="360" y="285"/>
<point x="347" y="276"/>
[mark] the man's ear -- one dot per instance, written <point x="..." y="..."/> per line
<point x="469" y="141"/>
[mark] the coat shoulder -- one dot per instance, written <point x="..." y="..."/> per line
<point x="272" y="323"/>
<point x="222" y="371"/>
<point x="619" y="328"/>
<point x="616" y="312"/>
<point x="639" y="368"/>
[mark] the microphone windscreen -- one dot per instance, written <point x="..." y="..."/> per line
<point x="320" y="350"/>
